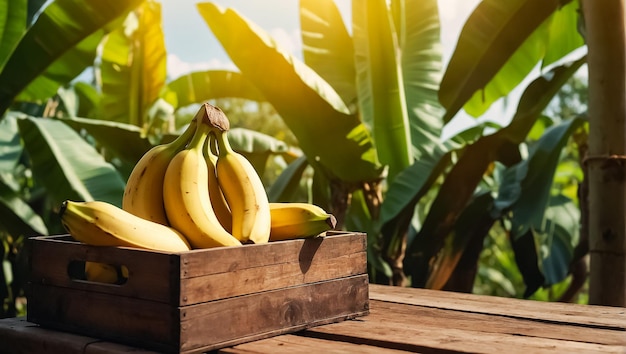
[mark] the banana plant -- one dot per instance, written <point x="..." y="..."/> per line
<point x="347" y="91"/>
<point x="42" y="49"/>
<point x="501" y="42"/>
<point x="58" y="46"/>
<point x="379" y="106"/>
<point x="387" y="71"/>
<point x="132" y="72"/>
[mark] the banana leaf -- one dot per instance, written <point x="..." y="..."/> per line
<point x="490" y="37"/>
<point x="33" y="8"/>
<point x="256" y="147"/>
<point x="526" y="194"/>
<point x="17" y="217"/>
<point x="462" y="180"/>
<point x="418" y="28"/>
<point x="399" y="206"/>
<point x="320" y="190"/>
<point x="79" y="100"/>
<point x="310" y="107"/>
<point x="551" y="41"/>
<point x="13" y="16"/>
<point x="122" y="140"/>
<point x="59" y="28"/>
<point x="380" y="86"/>
<point x="512" y="72"/>
<point x="564" y="36"/>
<point x="10" y="144"/>
<point x="133" y="68"/>
<point x="66" y="165"/>
<point x="411" y="184"/>
<point x="88" y="99"/>
<point x="71" y="64"/>
<point x="201" y="86"/>
<point x="288" y="182"/>
<point x="328" y="48"/>
<point x="459" y="256"/>
<point x="527" y="261"/>
<point x="359" y="218"/>
<point x="561" y="235"/>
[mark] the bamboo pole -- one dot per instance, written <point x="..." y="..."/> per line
<point x="606" y="43"/>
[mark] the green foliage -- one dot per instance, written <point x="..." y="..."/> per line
<point x="355" y="127"/>
<point x="54" y="47"/>
<point x="499" y="46"/>
<point x="301" y="97"/>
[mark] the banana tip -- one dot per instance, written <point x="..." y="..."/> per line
<point x="63" y="208"/>
<point x="332" y="221"/>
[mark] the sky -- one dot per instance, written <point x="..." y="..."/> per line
<point x="191" y="45"/>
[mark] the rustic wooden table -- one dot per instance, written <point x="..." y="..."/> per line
<point x="401" y="320"/>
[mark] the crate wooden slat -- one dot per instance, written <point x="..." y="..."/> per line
<point x="202" y="299"/>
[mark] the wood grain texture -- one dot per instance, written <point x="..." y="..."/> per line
<point x="415" y="338"/>
<point x="295" y="344"/>
<point x="554" y="312"/>
<point x="269" y="277"/>
<point x="157" y="271"/>
<point x="306" y="251"/>
<point x="237" y="320"/>
<point x="124" y="319"/>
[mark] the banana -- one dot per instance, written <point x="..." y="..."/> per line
<point x="100" y="223"/>
<point x="186" y="192"/>
<point x="244" y="192"/>
<point x="101" y="273"/>
<point x="299" y="220"/>
<point x="218" y="201"/>
<point x="143" y="194"/>
<point x="105" y="273"/>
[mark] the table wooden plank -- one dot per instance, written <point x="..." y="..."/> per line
<point x="18" y="336"/>
<point x="102" y="347"/>
<point x="553" y="312"/>
<point x="373" y="331"/>
<point x="295" y="344"/>
<point x="445" y="319"/>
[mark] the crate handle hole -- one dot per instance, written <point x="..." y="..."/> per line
<point x="97" y="272"/>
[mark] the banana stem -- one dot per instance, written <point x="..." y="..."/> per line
<point x="212" y="116"/>
<point x="223" y="143"/>
<point x="199" y="137"/>
<point x="211" y="147"/>
<point x="183" y="138"/>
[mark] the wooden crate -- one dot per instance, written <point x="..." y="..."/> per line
<point x="200" y="300"/>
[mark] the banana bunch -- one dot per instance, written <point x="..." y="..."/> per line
<point x="186" y="188"/>
<point x="195" y="192"/>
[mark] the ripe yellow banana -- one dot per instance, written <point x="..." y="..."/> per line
<point x="244" y="192"/>
<point x="143" y="195"/>
<point x="186" y="192"/>
<point x="105" y="273"/>
<point x="100" y="223"/>
<point x="299" y="220"/>
<point x="218" y="201"/>
<point x="100" y="272"/>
